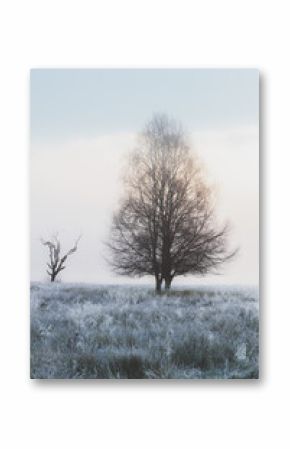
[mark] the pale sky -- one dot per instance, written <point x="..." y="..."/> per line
<point x="84" y="122"/>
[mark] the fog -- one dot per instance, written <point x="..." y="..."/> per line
<point x="76" y="184"/>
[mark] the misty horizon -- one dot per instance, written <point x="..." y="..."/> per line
<point x="76" y="171"/>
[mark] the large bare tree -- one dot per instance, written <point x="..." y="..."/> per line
<point x="56" y="261"/>
<point x="165" y="225"/>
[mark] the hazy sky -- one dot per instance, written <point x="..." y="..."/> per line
<point x="83" y="123"/>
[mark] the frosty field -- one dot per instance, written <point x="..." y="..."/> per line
<point x="88" y="331"/>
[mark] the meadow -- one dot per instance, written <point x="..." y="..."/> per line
<point x="81" y="331"/>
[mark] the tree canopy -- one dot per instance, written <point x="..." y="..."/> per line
<point x="166" y="225"/>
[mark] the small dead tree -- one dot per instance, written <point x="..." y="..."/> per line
<point x="166" y="225"/>
<point x="56" y="261"/>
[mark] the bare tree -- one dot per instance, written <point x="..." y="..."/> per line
<point x="56" y="261"/>
<point x="166" y="225"/>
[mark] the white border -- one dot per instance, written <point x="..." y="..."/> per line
<point x="164" y="34"/>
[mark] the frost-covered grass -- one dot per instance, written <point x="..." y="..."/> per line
<point x="86" y="331"/>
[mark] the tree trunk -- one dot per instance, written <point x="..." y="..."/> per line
<point x="52" y="277"/>
<point x="158" y="283"/>
<point x="168" y="283"/>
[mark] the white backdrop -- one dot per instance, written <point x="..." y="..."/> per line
<point x="144" y="414"/>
